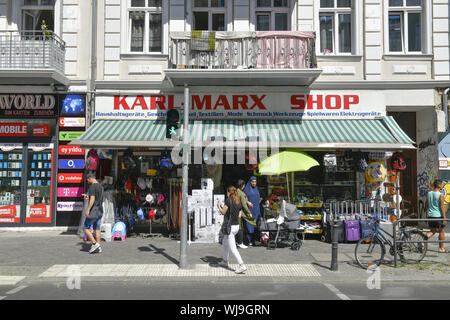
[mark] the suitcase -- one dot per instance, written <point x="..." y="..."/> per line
<point x="352" y="230"/>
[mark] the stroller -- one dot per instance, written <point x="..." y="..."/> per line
<point x="284" y="227"/>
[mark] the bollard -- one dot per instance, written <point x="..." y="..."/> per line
<point x="334" y="246"/>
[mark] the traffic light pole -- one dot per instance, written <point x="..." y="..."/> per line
<point x="184" y="187"/>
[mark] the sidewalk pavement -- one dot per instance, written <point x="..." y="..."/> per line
<point x="43" y="254"/>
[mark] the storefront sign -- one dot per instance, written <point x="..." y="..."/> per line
<point x="69" y="135"/>
<point x="26" y="105"/>
<point x="71" y="151"/>
<point x="71" y="164"/>
<point x="70" y="178"/>
<point x="444" y="163"/>
<point x="70" y="192"/>
<point x="70" y="206"/>
<point x="258" y="105"/>
<point x="39" y="210"/>
<point x="13" y="129"/>
<point x="73" y="105"/>
<point x="72" y="122"/>
<point x="8" y="211"/>
<point x="41" y="131"/>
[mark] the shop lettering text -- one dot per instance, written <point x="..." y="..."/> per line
<point x="14" y="129"/>
<point x="71" y="150"/>
<point x="27" y="102"/>
<point x="236" y="102"/>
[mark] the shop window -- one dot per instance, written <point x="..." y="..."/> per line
<point x="209" y="15"/>
<point x="405" y="26"/>
<point x="145" y="26"/>
<point x="272" y="15"/>
<point x="38" y="15"/>
<point x="336" y="26"/>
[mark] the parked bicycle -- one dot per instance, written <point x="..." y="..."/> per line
<point x="370" y="251"/>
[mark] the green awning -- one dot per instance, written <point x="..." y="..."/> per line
<point x="382" y="133"/>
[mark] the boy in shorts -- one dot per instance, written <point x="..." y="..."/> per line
<point x="436" y="210"/>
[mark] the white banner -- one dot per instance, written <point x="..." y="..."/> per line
<point x="257" y="105"/>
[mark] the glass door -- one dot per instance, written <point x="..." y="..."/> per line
<point x="39" y="183"/>
<point x="10" y="183"/>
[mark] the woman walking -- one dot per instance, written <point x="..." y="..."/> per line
<point x="435" y="207"/>
<point x="230" y="227"/>
<point x="252" y="193"/>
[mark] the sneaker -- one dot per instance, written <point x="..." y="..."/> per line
<point x="241" y="269"/>
<point x="223" y="264"/>
<point x="94" y="247"/>
<point x="242" y="246"/>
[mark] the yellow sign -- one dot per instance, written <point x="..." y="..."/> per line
<point x="447" y="193"/>
<point x="151" y="172"/>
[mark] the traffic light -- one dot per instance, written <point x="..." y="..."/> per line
<point x="172" y="119"/>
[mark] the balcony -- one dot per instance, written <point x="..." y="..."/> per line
<point x="32" y="57"/>
<point x="242" y="58"/>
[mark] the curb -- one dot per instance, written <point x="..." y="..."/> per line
<point x="37" y="229"/>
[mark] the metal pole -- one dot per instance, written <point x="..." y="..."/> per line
<point x="334" y="246"/>
<point x="184" y="188"/>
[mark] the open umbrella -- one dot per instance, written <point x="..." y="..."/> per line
<point x="286" y="161"/>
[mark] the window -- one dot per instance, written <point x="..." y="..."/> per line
<point x="405" y="26"/>
<point x="38" y="15"/>
<point x="145" y="26"/>
<point x="335" y="21"/>
<point x="209" y="15"/>
<point x="272" y="15"/>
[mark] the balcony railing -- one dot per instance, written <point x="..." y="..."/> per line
<point x="31" y="50"/>
<point x="242" y="50"/>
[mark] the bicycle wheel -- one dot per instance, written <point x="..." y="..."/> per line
<point x="415" y="251"/>
<point x="369" y="252"/>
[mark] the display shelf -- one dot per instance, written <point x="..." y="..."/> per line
<point x="315" y="217"/>
<point x="313" y="231"/>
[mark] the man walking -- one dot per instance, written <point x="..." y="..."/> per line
<point x="94" y="212"/>
<point x="246" y="216"/>
<point x="435" y="207"/>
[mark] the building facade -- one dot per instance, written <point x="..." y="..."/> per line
<point x="324" y="59"/>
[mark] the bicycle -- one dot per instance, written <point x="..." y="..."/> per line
<point x="370" y="251"/>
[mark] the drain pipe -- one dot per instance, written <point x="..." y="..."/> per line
<point x="445" y="107"/>
<point x="93" y="62"/>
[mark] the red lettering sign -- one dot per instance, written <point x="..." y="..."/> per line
<point x="71" y="151"/>
<point x="38" y="210"/>
<point x="320" y="102"/>
<point x="8" y="211"/>
<point x="70" y="178"/>
<point x="41" y="131"/>
<point x="13" y="129"/>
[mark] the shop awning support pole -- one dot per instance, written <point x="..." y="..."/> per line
<point x="184" y="187"/>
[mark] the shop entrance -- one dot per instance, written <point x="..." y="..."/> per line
<point x="408" y="177"/>
<point x="26" y="184"/>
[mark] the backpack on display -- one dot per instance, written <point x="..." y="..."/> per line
<point x="361" y="162"/>
<point x="398" y="163"/>
<point x="92" y="160"/>
<point x="119" y="231"/>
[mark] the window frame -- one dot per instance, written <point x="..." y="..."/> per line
<point x="39" y="6"/>
<point x="272" y="11"/>
<point x="334" y="12"/>
<point x="211" y="11"/>
<point x="147" y="11"/>
<point x="404" y="12"/>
